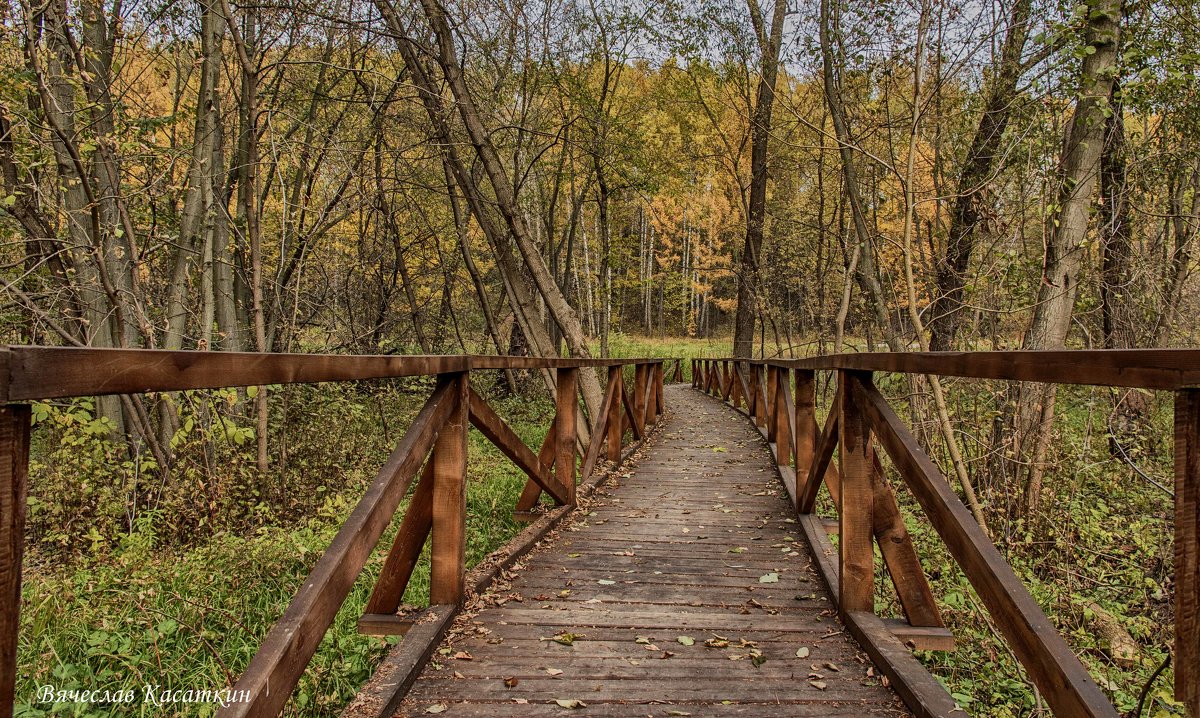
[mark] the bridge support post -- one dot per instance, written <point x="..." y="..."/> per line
<point x="806" y="427"/>
<point x="616" y="426"/>
<point x="855" y="525"/>
<point x="566" y="412"/>
<point x="448" y="539"/>
<point x="1187" y="550"/>
<point x="782" y="416"/>
<point x="14" y="469"/>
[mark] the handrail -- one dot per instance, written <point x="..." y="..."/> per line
<point x="1144" y="368"/>
<point x="37" y="372"/>
<point x="861" y="419"/>
<point x="437" y="439"/>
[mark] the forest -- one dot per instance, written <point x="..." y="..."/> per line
<point x="583" y="178"/>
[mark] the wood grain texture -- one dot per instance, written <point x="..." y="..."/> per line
<point x="628" y="569"/>
<point x="448" y="537"/>
<point x="1187" y="550"/>
<point x="567" y="392"/>
<point x="805" y="429"/>
<point x="291" y="642"/>
<point x="856" y="546"/>
<point x="1063" y="681"/>
<point x="491" y="425"/>
<point x="406" y="548"/>
<point x="14" y="472"/>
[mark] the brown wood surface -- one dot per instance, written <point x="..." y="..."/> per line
<point x="1146" y="368"/>
<point x="600" y="428"/>
<point x="491" y="425"/>
<point x="291" y="642"/>
<point x="660" y="556"/>
<point x="14" y="468"/>
<point x="1063" y="681"/>
<point x="567" y="392"/>
<point x="406" y="549"/>
<point x="37" y="372"/>
<point x="616" y="415"/>
<point x="448" y="537"/>
<point x="856" y="532"/>
<point x="805" y="429"/>
<point x="1187" y="550"/>
<point x="807" y="491"/>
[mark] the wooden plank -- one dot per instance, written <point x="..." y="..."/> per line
<point x="772" y="385"/>
<point x="1146" y="368"/>
<point x="383" y="624"/>
<point x="448" y="536"/>
<point x="807" y="498"/>
<point x="400" y="669"/>
<point x="406" y="549"/>
<point x="600" y="428"/>
<point x="615" y="426"/>
<point x="660" y="404"/>
<point x="497" y="430"/>
<point x="805" y="430"/>
<point x="1049" y="662"/>
<point x="920" y="638"/>
<point x="921" y="691"/>
<point x="639" y="395"/>
<point x="533" y="491"/>
<point x="1187" y="550"/>
<point x="14" y="472"/>
<point x="856" y="532"/>
<point x="565" y="433"/>
<point x="634" y="416"/>
<point x="785" y="429"/>
<point x="291" y="642"/>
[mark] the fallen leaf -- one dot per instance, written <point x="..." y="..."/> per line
<point x="642" y="640"/>
<point x="819" y="685"/>
<point x="553" y="672"/>
<point x="686" y="640"/>
<point x="463" y="656"/>
<point x="678" y="713"/>
<point x="459" y="675"/>
<point x="802" y="652"/>
<point x="511" y="682"/>
<point x="437" y="708"/>
<point x="572" y="703"/>
<point x="605" y="582"/>
<point x="769" y="578"/>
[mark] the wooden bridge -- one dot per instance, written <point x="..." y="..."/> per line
<point x="696" y="579"/>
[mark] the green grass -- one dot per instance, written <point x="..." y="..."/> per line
<point x="178" y="616"/>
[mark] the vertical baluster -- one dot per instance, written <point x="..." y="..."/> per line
<point x="783" y="425"/>
<point x="806" y="425"/>
<point x="14" y="467"/>
<point x="857" y="556"/>
<point x="616" y="427"/>
<point x="448" y="541"/>
<point x="1187" y="550"/>
<point x="772" y="374"/>
<point x="566" y="412"/>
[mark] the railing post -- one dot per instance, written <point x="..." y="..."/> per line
<point x="772" y="426"/>
<point x="1187" y="550"/>
<point x="760" y="409"/>
<point x="806" y="426"/>
<point x="14" y="468"/>
<point x="616" y="426"/>
<point x="783" y="427"/>
<point x="855" y="530"/>
<point x="639" y="393"/>
<point x="448" y="539"/>
<point x="567" y="411"/>
<point x="659" y="400"/>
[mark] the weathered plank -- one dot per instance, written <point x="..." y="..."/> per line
<point x="1062" y="679"/>
<point x="14" y="468"/>
<point x="1187" y="550"/>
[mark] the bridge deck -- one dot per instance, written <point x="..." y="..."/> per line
<point x="695" y="545"/>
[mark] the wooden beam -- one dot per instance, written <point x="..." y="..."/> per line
<point x="564" y="454"/>
<point x="1063" y="681"/>
<point x="1187" y="550"/>
<point x="920" y="638"/>
<point x="785" y="423"/>
<point x="616" y="429"/>
<point x="406" y="549"/>
<point x="805" y="430"/>
<point x="600" y="428"/>
<point x="856" y="547"/>
<point x="806" y="497"/>
<point x="383" y="624"/>
<point x="291" y="642"/>
<point x="14" y="472"/>
<point x="491" y="425"/>
<point x="448" y="537"/>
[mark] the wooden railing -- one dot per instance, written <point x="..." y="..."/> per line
<point x="861" y="419"/>
<point x="436" y="510"/>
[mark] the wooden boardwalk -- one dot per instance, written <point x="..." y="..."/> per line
<point x="684" y="587"/>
